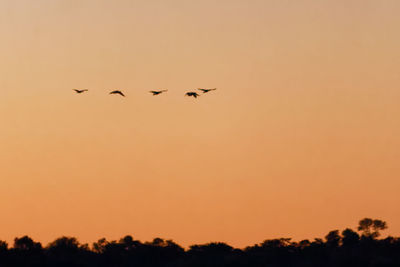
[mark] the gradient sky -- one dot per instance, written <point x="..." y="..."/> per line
<point x="302" y="136"/>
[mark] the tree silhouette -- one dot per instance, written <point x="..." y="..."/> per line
<point x="26" y="252"/>
<point x="26" y="243"/>
<point x="345" y="250"/>
<point x="350" y="237"/>
<point x="333" y="238"/>
<point x="370" y="228"/>
<point x="3" y="246"/>
<point x="304" y="244"/>
<point x="100" y="246"/>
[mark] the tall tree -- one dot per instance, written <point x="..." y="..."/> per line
<point x="370" y="228"/>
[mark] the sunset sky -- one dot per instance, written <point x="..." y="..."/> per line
<point x="301" y="137"/>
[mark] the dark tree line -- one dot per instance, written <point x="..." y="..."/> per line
<point x="338" y="248"/>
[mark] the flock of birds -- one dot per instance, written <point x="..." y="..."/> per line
<point x="118" y="92"/>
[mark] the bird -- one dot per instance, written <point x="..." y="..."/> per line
<point x="205" y="90"/>
<point x="194" y="94"/>
<point x="80" y="91"/>
<point x="158" y="92"/>
<point x="117" y="92"/>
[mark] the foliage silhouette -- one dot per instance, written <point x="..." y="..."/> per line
<point x="339" y="249"/>
<point x="333" y="239"/>
<point x="370" y="228"/>
<point x="349" y="237"/>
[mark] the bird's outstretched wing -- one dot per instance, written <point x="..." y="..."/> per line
<point x="80" y="91"/>
<point x="120" y="93"/>
<point x="117" y="92"/>
<point x="206" y="90"/>
<point x="158" y="92"/>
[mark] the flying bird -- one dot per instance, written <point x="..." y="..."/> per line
<point x="205" y="90"/>
<point x="117" y="92"/>
<point x="158" y="92"/>
<point x="80" y="91"/>
<point x="194" y="94"/>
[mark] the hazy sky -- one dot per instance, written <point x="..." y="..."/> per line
<point x="301" y="137"/>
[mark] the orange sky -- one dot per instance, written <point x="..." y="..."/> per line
<point x="301" y="137"/>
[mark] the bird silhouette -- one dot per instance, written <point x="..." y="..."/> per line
<point x="80" y="91"/>
<point x="194" y="94"/>
<point x="117" y="92"/>
<point x="205" y="90"/>
<point x="158" y="92"/>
